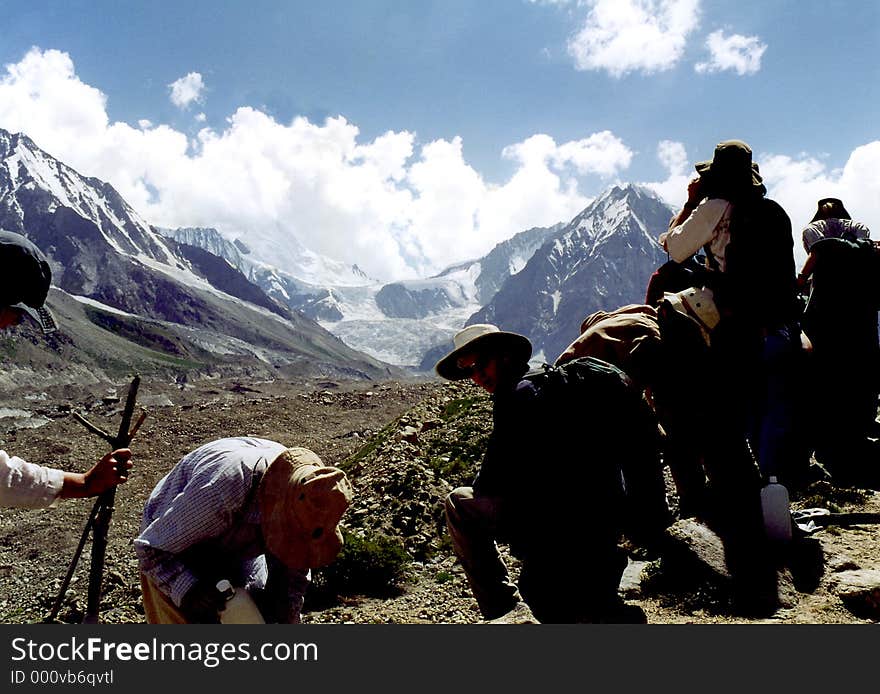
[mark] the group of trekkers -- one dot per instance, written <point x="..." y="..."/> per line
<point x="721" y="375"/>
<point x="743" y="382"/>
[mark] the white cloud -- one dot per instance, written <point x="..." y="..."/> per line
<point x="145" y="124"/>
<point x="623" y="36"/>
<point x="200" y="118"/>
<point x="602" y="153"/>
<point x="741" y="54"/>
<point x="187" y="89"/>
<point x="673" y="157"/>
<point x="395" y="207"/>
<point x="797" y="183"/>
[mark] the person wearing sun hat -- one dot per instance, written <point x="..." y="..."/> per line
<point x="531" y="493"/>
<point x="25" y="277"/>
<point x="755" y="343"/>
<point x="243" y="509"/>
<point x="841" y="278"/>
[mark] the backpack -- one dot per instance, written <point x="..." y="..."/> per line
<point x="845" y="293"/>
<point x="617" y="431"/>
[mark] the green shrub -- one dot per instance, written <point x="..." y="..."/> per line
<point x="366" y="451"/>
<point x="370" y="565"/>
<point x="456" y="455"/>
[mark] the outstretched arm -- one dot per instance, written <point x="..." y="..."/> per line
<point x="109" y="471"/>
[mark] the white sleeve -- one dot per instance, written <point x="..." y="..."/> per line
<point x="682" y="241"/>
<point x="811" y="233"/>
<point x="24" y="485"/>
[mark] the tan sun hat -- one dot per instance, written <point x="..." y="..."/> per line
<point x="698" y="304"/>
<point x="481" y="337"/>
<point x="301" y="501"/>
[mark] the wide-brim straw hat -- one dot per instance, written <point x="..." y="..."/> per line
<point x="482" y="338"/>
<point x="301" y="502"/>
<point x="730" y="168"/>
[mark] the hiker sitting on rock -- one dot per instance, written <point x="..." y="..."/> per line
<point x="26" y="279"/>
<point x="247" y="510"/>
<point x="551" y="492"/>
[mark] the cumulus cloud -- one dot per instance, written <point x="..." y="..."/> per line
<point x="673" y="157"/>
<point x="200" y="118"/>
<point x="742" y="54"/>
<point x="797" y="183"/>
<point x="602" y="153"/>
<point x="623" y="36"/>
<point x="187" y="89"/>
<point x="396" y="207"/>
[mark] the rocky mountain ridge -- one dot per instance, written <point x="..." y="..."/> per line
<point x="106" y="257"/>
<point x="601" y="260"/>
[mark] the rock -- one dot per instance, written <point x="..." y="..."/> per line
<point x="690" y="539"/>
<point x="786" y="592"/>
<point x="521" y="614"/>
<point x="859" y="591"/>
<point x="842" y="562"/>
<point x="757" y="589"/>
<point x="157" y="400"/>
<point x="631" y="581"/>
<point x="410" y="434"/>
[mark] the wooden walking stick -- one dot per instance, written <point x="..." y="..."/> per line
<point x="102" y="512"/>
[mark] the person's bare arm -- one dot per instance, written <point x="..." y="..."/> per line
<point x="806" y="271"/>
<point x="695" y="195"/>
<point x="109" y="471"/>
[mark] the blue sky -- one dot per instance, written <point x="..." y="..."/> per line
<point x="452" y="124"/>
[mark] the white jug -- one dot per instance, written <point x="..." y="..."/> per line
<point x="240" y="607"/>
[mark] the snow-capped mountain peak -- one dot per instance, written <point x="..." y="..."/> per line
<point x="29" y="176"/>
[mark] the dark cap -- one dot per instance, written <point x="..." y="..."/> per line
<point x="26" y="278"/>
<point x="830" y="208"/>
<point x="731" y="167"/>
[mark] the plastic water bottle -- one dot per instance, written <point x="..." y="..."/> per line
<point x="777" y="515"/>
<point x="240" y="607"/>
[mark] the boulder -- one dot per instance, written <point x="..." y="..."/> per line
<point x="521" y="614"/>
<point x="859" y="591"/>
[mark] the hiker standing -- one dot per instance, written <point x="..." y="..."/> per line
<point x="751" y="388"/>
<point x="26" y="279"/>
<point x="244" y="509"/>
<point x="841" y="322"/>
<point x="552" y="493"/>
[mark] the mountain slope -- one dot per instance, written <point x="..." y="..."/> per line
<point x="600" y="260"/>
<point x="398" y="322"/>
<point x="100" y="248"/>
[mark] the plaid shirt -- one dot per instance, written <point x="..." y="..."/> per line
<point x="26" y="485"/>
<point x="202" y="522"/>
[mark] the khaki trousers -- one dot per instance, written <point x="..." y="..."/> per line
<point x="158" y="607"/>
<point x="472" y="521"/>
